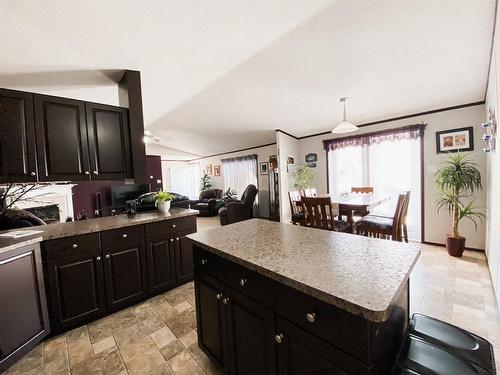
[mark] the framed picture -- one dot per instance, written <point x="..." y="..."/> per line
<point x="454" y="140"/>
<point x="290" y="160"/>
<point x="264" y="168"/>
<point x="209" y="169"/>
<point x="217" y="170"/>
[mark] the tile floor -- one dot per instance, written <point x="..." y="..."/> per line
<point x="158" y="336"/>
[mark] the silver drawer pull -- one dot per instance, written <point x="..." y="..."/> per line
<point x="87" y="173"/>
<point x="177" y="238"/>
<point x="107" y="256"/>
<point x="225" y="301"/>
<point x="279" y="338"/>
<point x="243" y="281"/>
<point x="98" y="259"/>
<point x="218" y="296"/>
<point x="96" y="172"/>
<point x="124" y="235"/>
<point x="311" y="317"/>
<point x="74" y="246"/>
<point x="203" y="262"/>
<point x="171" y="240"/>
<point x="33" y="173"/>
<point x="173" y="225"/>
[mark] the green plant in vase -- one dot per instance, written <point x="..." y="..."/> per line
<point x="456" y="182"/>
<point x="205" y="183"/>
<point x="162" y="200"/>
<point x="227" y="196"/>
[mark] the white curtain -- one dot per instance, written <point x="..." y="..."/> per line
<point x="185" y="179"/>
<point x="239" y="173"/>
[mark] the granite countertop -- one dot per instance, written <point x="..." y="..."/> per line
<point x="53" y="231"/>
<point x="359" y="274"/>
<point x="8" y="244"/>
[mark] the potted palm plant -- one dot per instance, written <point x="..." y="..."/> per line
<point x="162" y="200"/>
<point x="456" y="182"/>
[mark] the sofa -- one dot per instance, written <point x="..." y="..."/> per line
<point x="146" y="202"/>
<point x="239" y="210"/>
<point x="207" y="202"/>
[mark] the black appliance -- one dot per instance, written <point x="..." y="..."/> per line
<point x="121" y="194"/>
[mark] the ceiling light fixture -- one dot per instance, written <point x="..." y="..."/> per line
<point x="345" y="126"/>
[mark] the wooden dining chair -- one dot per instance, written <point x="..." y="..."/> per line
<point x="404" y="216"/>
<point x="320" y="213"/>
<point x="362" y="190"/>
<point x="383" y="227"/>
<point x="296" y="207"/>
<point x="310" y="193"/>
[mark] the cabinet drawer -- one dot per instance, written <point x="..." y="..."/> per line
<point x="67" y="246"/>
<point x="122" y="236"/>
<point x="159" y="229"/>
<point x="210" y="264"/>
<point x="344" y="330"/>
<point x="251" y="284"/>
<point x="187" y="223"/>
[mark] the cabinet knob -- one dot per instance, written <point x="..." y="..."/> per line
<point x="243" y="281"/>
<point x="218" y="296"/>
<point x="74" y="246"/>
<point x="279" y="338"/>
<point x="33" y="173"/>
<point x="107" y="256"/>
<point x="173" y="225"/>
<point x="98" y="259"/>
<point x="225" y="300"/>
<point x="124" y="235"/>
<point x="171" y="240"/>
<point x="87" y="172"/>
<point x="95" y="172"/>
<point x="203" y="262"/>
<point x="311" y="317"/>
<point x="177" y="238"/>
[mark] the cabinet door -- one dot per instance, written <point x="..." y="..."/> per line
<point x="76" y="288"/>
<point x="23" y="311"/>
<point x="211" y="319"/>
<point x="125" y="275"/>
<point x="17" y="137"/>
<point x="184" y="263"/>
<point x="300" y="353"/>
<point x="161" y="264"/>
<point x="109" y="142"/>
<point x="153" y="172"/>
<point x="251" y="334"/>
<point x="61" y="138"/>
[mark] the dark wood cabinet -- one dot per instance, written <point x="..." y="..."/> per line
<point x="211" y="319"/>
<point x="109" y="142"/>
<point x="251" y="332"/>
<point x="153" y="172"/>
<point x="183" y="257"/>
<point x="23" y="314"/>
<point x="161" y="264"/>
<point x="125" y="275"/>
<point x="76" y="288"/>
<point x="17" y="137"/>
<point x="61" y="135"/>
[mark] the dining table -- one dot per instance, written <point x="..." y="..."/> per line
<point x="357" y="204"/>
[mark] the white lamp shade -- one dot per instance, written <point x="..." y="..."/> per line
<point x="345" y="127"/>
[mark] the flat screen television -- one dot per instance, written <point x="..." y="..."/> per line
<point x="121" y="194"/>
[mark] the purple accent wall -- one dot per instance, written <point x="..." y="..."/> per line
<point x="153" y="172"/>
<point x="84" y="194"/>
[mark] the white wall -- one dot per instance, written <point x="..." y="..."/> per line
<point x="493" y="187"/>
<point x="262" y="153"/>
<point x="287" y="146"/>
<point x="436" y="225"/>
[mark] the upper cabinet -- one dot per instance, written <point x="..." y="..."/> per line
<point x="62" y="146"/>
<point x="109" y="142"/>
<point x="47" y="138"/>
<point x="17" y="137"/>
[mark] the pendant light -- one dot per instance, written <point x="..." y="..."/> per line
<point x="345" y="126"/>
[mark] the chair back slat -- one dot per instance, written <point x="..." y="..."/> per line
<point x="362" y="190"/>
<point x="295" y="201"/>
<point x="319" y="212"/>
<point x="396" y="220"/>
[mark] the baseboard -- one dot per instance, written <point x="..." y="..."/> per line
<point x="443" y="245"/>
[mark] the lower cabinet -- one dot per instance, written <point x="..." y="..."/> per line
<point x="183" y="258"/>
<point x="234" y="331"/>
<point x="24" y="318"/>
<point x="161" y="264"/>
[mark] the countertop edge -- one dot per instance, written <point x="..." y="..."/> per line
<point x="21" y="243"/>
<point x="372" y="315"/>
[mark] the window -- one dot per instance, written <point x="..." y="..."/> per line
<point x="185" y="179"/>
<point x="240" y="172"/>
<point x="388" y="161"/>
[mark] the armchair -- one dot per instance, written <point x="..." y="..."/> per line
<point x="239" y="210"/>
<point x="207" y="202"/>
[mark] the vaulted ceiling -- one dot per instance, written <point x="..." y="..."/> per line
<point x="224" y="74"/>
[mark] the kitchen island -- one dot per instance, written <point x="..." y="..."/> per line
<point x="274" y="298"/>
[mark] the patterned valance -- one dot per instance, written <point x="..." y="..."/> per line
<point x="389" y="135"/>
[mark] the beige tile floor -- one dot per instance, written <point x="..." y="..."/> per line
<point x="158" y="336"/>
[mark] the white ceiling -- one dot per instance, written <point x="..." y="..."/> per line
<point x="220" y="75"/>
